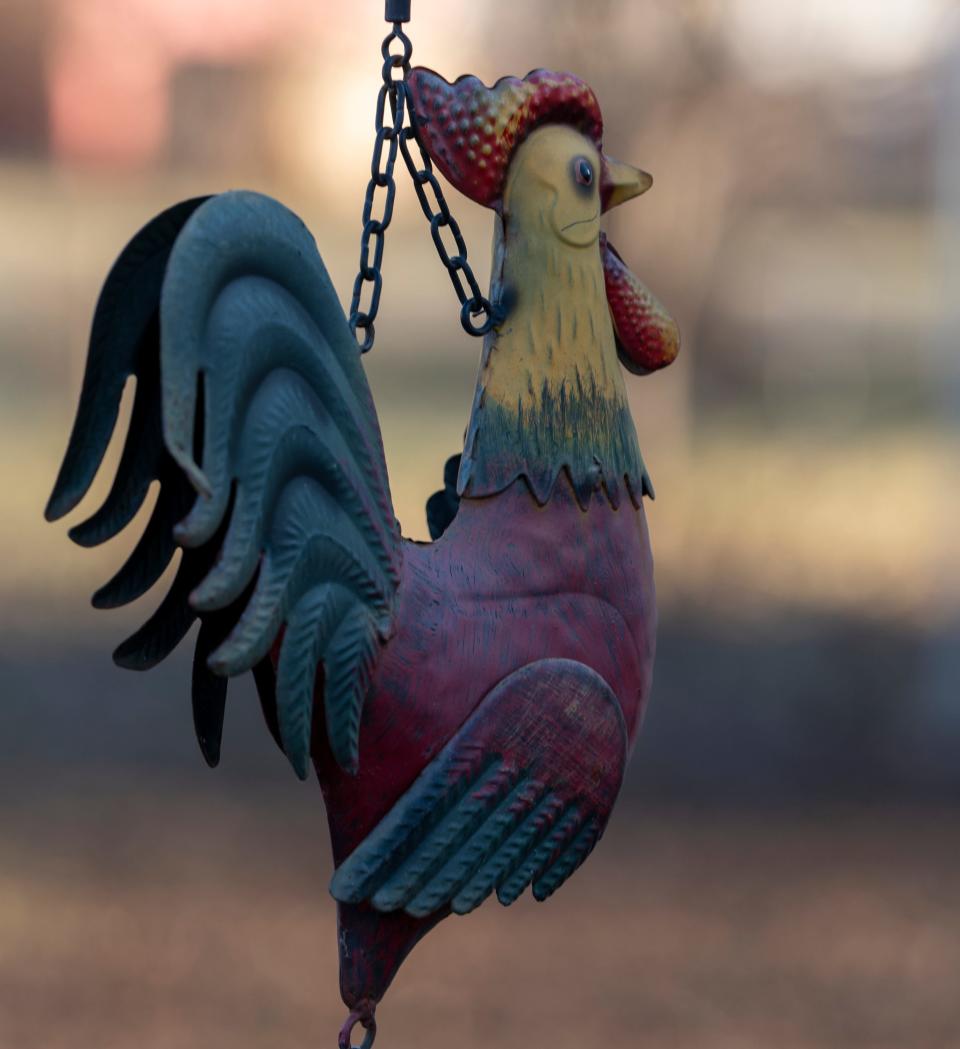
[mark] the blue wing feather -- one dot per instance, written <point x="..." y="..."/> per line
<point x="519" y="796"/>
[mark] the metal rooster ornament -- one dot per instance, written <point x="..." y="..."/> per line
<point x="469" y="705"/>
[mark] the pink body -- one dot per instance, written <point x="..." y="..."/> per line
<point x="510" y="582"/>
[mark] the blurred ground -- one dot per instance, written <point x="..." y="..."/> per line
<point x="153" y="917"/>
<point x="767" y="880"/>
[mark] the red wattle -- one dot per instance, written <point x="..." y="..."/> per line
<point x="647" y="336"/>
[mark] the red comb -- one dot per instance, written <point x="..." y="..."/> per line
<point x="471" y="130"/>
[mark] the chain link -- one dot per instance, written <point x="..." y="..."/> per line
<point x="381" y="178"/>
<point x="475" y="304"/>
<point x="398" y="134"/>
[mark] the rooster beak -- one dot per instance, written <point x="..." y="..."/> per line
<point x="622" y="182"/>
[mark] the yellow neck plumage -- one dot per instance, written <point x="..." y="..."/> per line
<point x="550" y="395"/>
<point x="558" y="334"/>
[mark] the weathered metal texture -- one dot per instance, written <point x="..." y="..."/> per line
<point x="270" y="459"/>
<point x="518" y="796"/>
<point x="468" y="704"/>
<point x="508" y="586"/>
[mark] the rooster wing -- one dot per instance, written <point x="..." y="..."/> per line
<point x="520" y="795"/>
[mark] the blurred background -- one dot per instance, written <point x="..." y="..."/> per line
<point x="783" y="868"/>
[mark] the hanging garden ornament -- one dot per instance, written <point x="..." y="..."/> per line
<point x="468" y="705"/>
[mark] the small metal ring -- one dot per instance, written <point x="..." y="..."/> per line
<point x="400" y="58"/>
<point x="470" y="309"/>
<point x="369" y="1023"/>
<point x="364" y="323"/>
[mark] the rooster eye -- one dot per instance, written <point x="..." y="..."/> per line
<point x="583" y="171"/>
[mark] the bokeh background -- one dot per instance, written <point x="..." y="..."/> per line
<point x="783" y="869"/>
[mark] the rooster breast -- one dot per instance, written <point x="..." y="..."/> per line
<point x="509" y="583"/>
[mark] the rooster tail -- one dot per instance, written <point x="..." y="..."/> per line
<point x="253" y="412"/>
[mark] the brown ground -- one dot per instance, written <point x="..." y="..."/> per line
<point x="157" y="922"/>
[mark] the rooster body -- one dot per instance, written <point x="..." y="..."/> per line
<point x="509" y="583"/>
<point x="469" y="705"/>
<point x="508" y="586"/>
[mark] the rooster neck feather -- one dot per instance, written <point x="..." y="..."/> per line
<point x="550" y="396"/>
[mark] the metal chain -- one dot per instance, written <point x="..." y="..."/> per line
<point x="381" y="177"/>
<point x="398" y="133"/>
<point x="476" y="304"/>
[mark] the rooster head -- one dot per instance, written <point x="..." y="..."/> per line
<point x="473" y="133"/>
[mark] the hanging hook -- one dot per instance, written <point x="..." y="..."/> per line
<point x="362" y="1015"/>
<point x="397" y="10"/>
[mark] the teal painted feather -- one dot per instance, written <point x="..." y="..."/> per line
<point x="254" y="414"/>
<point x="348" y="666"/>
<point x="484" y="816"/>
<point x="314" y="620"/>
<point x="580" y="430"/>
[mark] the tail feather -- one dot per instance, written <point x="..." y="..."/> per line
<point x="351" y="655"/>
<point x="313" y="621"/>
<point x="253" y="412"/>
